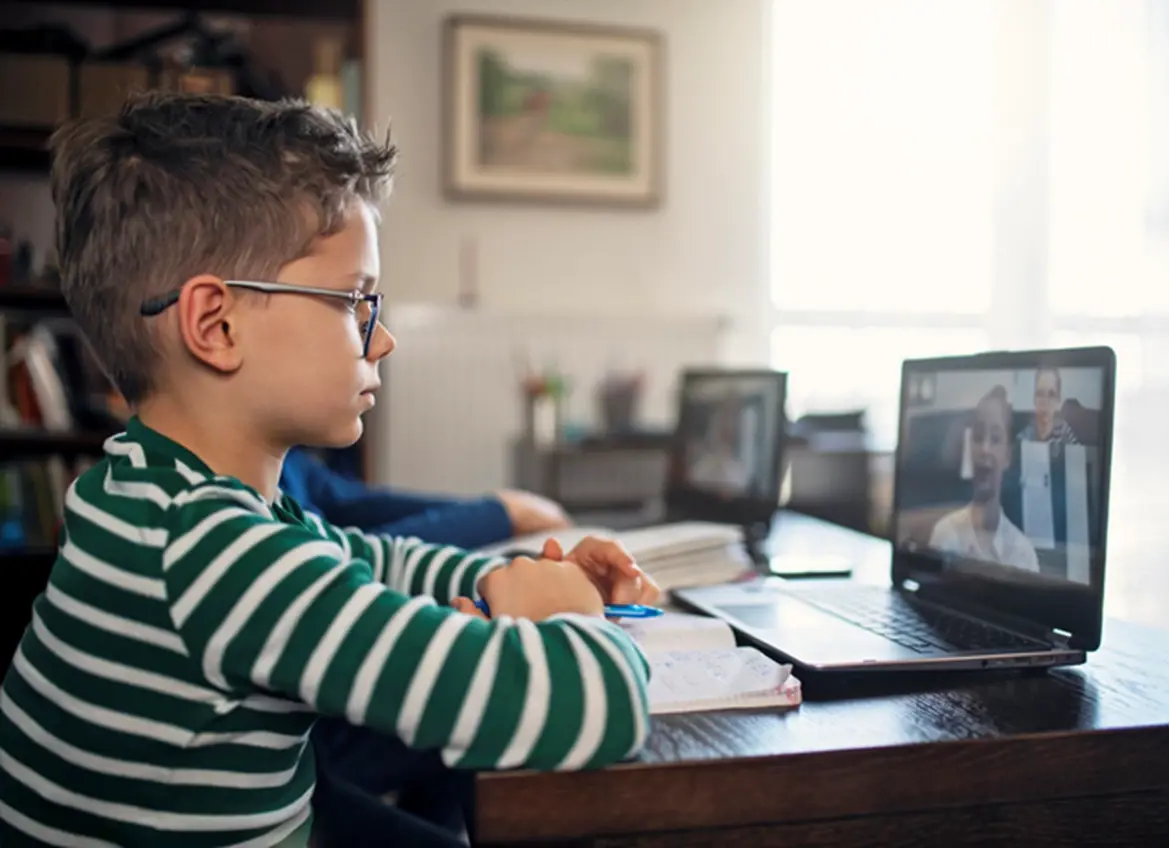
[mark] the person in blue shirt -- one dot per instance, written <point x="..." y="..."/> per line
<point x="466" y="523"/>
<point x="357" y="770"/>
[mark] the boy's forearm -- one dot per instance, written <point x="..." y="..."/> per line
<point x="413" y="567"/>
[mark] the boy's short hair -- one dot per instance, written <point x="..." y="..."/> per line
<point x="176" y="185"/>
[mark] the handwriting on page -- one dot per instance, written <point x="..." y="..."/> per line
<point x="712" y="678"/>
<point x="680" y="632"/>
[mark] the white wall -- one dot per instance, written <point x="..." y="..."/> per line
<point x="702" y="252"/>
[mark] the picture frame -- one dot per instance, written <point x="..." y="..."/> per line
<point x="552" y="112"/>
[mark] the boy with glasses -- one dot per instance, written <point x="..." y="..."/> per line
<point x="220" y="255"/>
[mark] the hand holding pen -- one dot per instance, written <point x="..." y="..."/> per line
<point x="597" y="577"/>
<point x="611" y="610"/>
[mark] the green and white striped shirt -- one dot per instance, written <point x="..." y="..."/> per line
<point x="191" y="633"/>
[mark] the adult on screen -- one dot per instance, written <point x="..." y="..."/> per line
<point x="1047" y="425"/>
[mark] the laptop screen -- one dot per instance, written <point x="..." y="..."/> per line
<point x="1002" y="482"/>
<point x="1002" y="467"/>
<point x="726" y="458"/>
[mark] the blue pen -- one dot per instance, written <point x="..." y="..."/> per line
<point x="611" y="610"/>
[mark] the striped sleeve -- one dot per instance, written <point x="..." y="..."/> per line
<point x="414" y="567"/>
<point x="277" y="607"/>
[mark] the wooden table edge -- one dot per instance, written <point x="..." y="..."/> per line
<point x="700" y="794"/>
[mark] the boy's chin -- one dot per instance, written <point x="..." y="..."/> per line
<point x="340" y="436"/>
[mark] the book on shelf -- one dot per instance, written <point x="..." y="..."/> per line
<point x="696" y="666"/>
<point x="50" y="387"/>
<point x="32" y="499"/>
<point x="51" y="381"/>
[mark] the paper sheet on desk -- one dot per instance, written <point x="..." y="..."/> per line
<point x="728" y="678"/>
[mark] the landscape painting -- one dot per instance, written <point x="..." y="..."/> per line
<point x="552" y="112"/>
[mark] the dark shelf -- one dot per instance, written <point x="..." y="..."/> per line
<point x="24" y="149"/>
<point x="40" y="557"/>
<point x="25" y="573"/>
<point x="32" y="299"/>
<point x="332" y="9"/>
<point x="23" y="443"/>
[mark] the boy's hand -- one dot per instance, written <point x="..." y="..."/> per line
<point x="532" y="589"/>
<point x="611" y="568"/>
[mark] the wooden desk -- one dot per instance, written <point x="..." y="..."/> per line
<point x="1073" y="756"/>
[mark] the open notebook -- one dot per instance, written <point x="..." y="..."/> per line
<point x="695" y="666"/>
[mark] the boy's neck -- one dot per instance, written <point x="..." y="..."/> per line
<point x="227" y="446"/>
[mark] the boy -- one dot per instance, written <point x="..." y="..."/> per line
<point x="220" y="255"/>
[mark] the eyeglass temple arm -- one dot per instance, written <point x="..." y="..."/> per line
<point x="160" y="304"/>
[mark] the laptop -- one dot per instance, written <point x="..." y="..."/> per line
<point x="724" y="469"/>
<point x="998" y="532"/>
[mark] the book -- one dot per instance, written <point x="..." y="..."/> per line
<point x="696" y="666"/>
<point x="675" y="555"/>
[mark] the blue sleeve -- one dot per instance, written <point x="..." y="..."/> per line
<point x="351" y="503"/>
<point x="464" y="524"/>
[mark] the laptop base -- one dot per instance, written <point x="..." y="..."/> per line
<point x="767" y="614"/>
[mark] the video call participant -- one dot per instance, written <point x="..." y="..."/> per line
<point x="1047" y="425"/>
<point x="718" y="466"/>
<point x="980" y="530"/>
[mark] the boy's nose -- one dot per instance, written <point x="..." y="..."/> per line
<point x="382" y="344"/>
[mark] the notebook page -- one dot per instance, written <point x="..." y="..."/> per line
<point x="679" y="631"/>
<point x="686" y="681"/>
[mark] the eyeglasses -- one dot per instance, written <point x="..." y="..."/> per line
<point x="371" y="300"/>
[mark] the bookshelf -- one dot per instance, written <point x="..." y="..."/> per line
<point x="33" y="441"/>
<point x="346" y="10"/>
<point x="24" y="573"/>
<point x="24" y="153"/>
<point x="23" y="149"/>
<point x="16" y="298"/>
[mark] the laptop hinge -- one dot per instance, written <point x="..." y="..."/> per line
<point x="1042" y="633"/>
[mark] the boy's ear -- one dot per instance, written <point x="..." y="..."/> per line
<point x="207" y="323"/>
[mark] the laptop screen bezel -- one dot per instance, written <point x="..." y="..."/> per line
<point x="696" y="504"/>
<point x="1045" y="603"/>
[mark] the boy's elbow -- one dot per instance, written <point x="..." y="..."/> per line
<point x="637" y="709"/>
<point x="626" y="723"/>
<point x="600" y="717"/>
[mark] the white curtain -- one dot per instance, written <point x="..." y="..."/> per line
<point x="977" y="174"/>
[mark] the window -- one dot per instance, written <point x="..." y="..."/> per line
<point x="881" y="165"/>
<point x="882" y="219"/>
<point x="835" y="367"/>
<point x="1107" y="237"/>
<point x="950" y="177"/>
<point x="896" y="228"/>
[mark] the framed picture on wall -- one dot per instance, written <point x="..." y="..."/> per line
<point x="552" y="112"/>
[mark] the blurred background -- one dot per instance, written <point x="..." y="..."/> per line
<point x="822" y="187"/>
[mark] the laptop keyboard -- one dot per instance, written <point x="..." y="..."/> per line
<point x="920" y="628"/>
